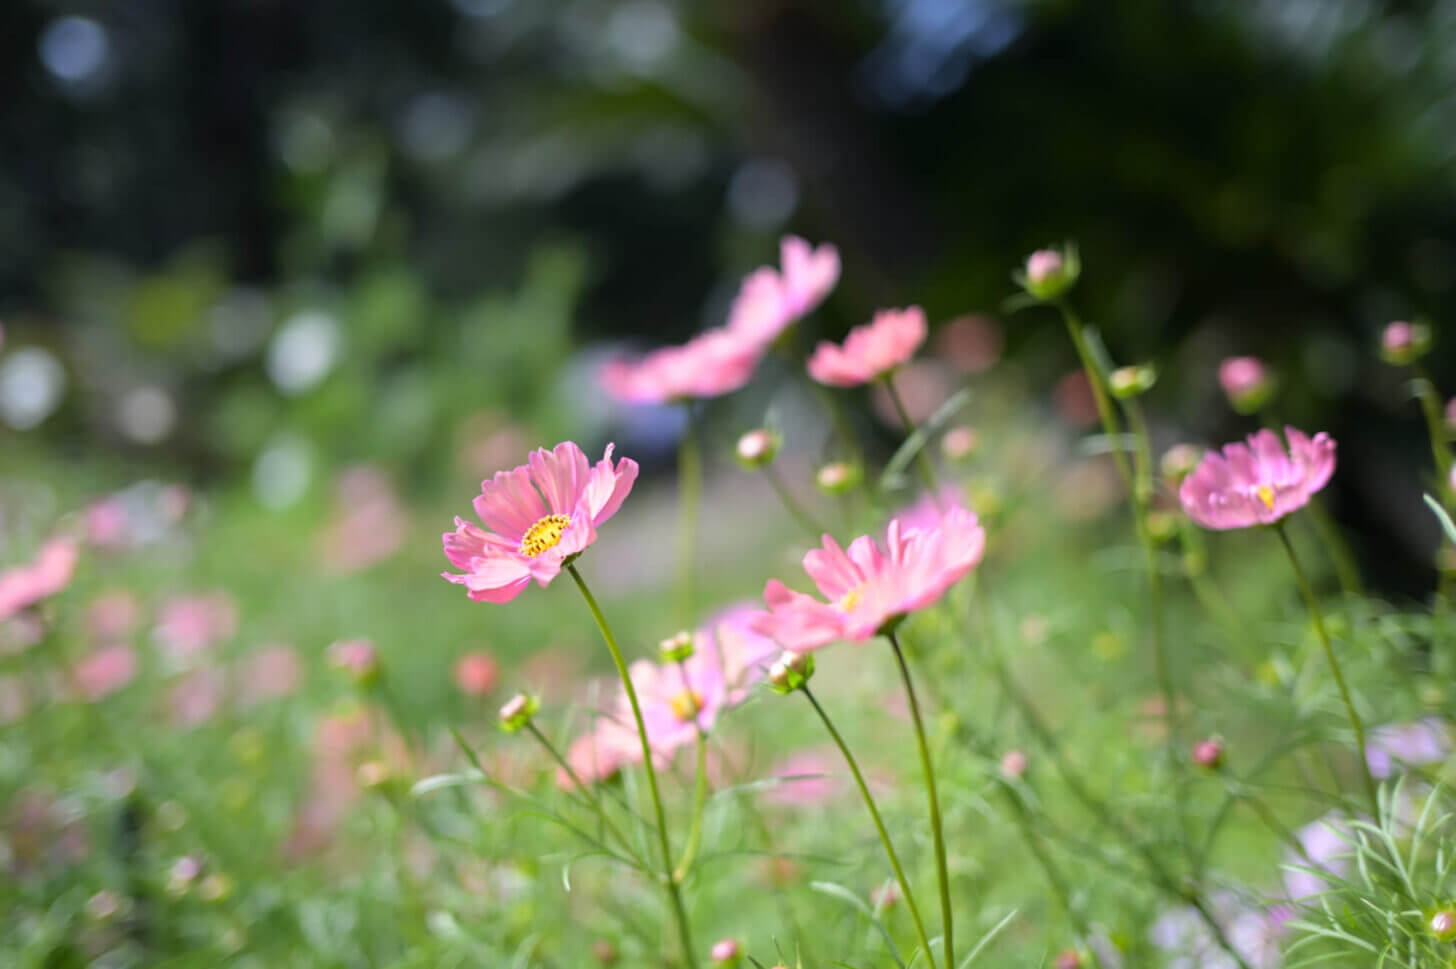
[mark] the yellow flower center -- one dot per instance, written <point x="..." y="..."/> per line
<point x="685" y="705"/>
<point x="849" y="600"/>
<point x="544" y="534"/>
<point x="1266" y="495"/>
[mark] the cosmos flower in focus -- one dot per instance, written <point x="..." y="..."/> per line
<point x="1257" y="483"/>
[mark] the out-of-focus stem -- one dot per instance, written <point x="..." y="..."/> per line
<point x="689" y="492"/>
<point x="922" y="460"/>
<point x="942" y="871"/>
<point x="583" y="790"/>
<point x="669" y="882"/>
<point x="796" y="511"/>
<point x="879" y="826"/>
<point x="1324" y="637"/>
<point x="700" y="801"/>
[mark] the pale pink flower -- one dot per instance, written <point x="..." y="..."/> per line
<point x="271" y="673"/>
<point x="713" y="363"/>
<point x="929" y="510"/>
<point x="476" y="673"/>
<point x="769" y="300"/>
<point x="1239" y="376"/>
<point x="357" y="657"/>
<point x="104" y="671"/>
<point x="971" y="343"/>
<point x="111" y="617"/>
<point x="24" y="585"/>
<point x="189" y="625"/>
<point x="600" y="753"/>
<point x="1426" y="741"/>
<point x="1258" y="483"/>
<point x="538" y="515"/>
<point x="369" y="526"/>
<point x="106" y="522"/>
<point x="870" y="351"/>
<point x="807" y="777"/>
<point x="196" y="698"/>
<point x="1326" y="856"/>
<point x="1074" y="400"/>
<point x="866" y="588"/>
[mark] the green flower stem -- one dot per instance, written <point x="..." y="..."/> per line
<point x="1324" y="637"/>
<point x="942" y="872"/>
<point x="700" y="802"/>
<point x="689" y="494"/>
<point x="674" y="892"/>
<point x="795" y="510"/>
<point x="583" y="790"/>
<point x="879" y="826"/>
<point x="922" y="460"/>
<point x="1160" y="874"/>
<point x="1110" y="425"/>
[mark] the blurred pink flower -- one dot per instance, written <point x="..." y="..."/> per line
<point x="487" y="442"/>
<point x="805" y="778"/>
<point x="1241" y="375"/>
<point x="769" y="300"/>
<point x="971" y="343"/>
<point x="1327" y="852"/>
<point x="476" y="673"/>
<point x="929" y="510"/>
<point x="1254" y="931"/>
<point x="602" y="751"/>
<point x="1426" y="741"/>
<point x="1258" y="483"/>
<point x="271" y="673"/>
<point x="1451" y="414"/>
<point x="713" y="363"/>
<point x="866" y="588"/>
<point x="1074" y="400"/>
<point x="106" y="522"/>
<point x="24" y="585"/>
<point x="923" y="385"/>
<point x="532" y="534"/>
<point x="357" y="657"/>
<point x="189" y="625"/>
<point x="111" y="617"/>
<point x="369" y="526"/>
<point x="196" y="698"/>
<point x="104" y="671"/>
<point x="870" y="351"/>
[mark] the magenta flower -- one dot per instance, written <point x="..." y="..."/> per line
<point x="866" y="588"/>
<point x="1257" y="483"/>
<point x="769" y="300"/>
<point x="870" y="351"/>
<point x="25" y="585"/>
<point x="713" y="363"/>
<point x="539" y="515"/>
<point x="1427" y="741"/>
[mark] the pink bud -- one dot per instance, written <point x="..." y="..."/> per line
<point x="1042" y="265"/>
<point x="1208" y="753"/>
<point x="725" y="950"/>
<point x="1241" y="375"/>
<point x="1398" y="336"/>
<point x="357" y="657"/>
<point x="959" y="442"/>
<point x="1069" y="959"/>
<point x="475" y="673"/>
<point x="887" y="894"/>
<point x="1013" y="764"/>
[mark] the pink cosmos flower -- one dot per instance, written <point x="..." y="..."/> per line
<point x="104" y="671"/>
<point x="196" y="698"/>
<point x="106" y="522"/>
<point x="1257" y="483"/>
<point x="867" y="588"/>
<point x="713" y="363"/>
<point x="475" y="673"/>
<point x="270" y="673"/>
<point x="1327" y="849"/>
<point x="928" y="510"/>
<point x="601" y="752"/>
<point x="369" y="526"/>
<point x="870" y="351"/>
<point x="805" y="778"/>
<point x="189" y="625"/>
<point x="111" y="617"/>
<point x="538" y="515"/>
<point x="1427" y="741"/>
<point x="769" y="300"/>
<point x="25" y="585"/>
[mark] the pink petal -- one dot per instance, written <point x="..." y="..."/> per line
<point x="561" y="475"/>
<point x="508" y="504"/>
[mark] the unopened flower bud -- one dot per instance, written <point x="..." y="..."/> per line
<point x="886" y="894"/>
<point x="357" y="658"/>
<point x="215" y="888"/>
<point x="837" y="477"/>
<point x="373" y="775"/>
<point x="518" y="711"/>
<point x="604" y="952"/>
<point x="757" y="448"/>
<point x="677" y="648"/>
<point x="182" y="874"/>
<point x="1069" y="959"/>
<point x="1013" y="764"/>
<point x="1402" y="343"/>
<point x="725" y="953"/>
<point x="1050" y="273"/>
<point x="790" y="672"/>
<point x="1178" y="462"/>
<point x="1208" y="753"/>
<point x="1443" y="924"/>
<point x="959" y="443"/>
<point x="1128" y="382"/>
<point x="1162" y="525"/>
<point x="1247" y="383"/>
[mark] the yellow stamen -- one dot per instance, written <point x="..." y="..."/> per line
<point x="544" y="534"/>
<point x="1266" y="495"/>
<point x="849" y="600"/>
<point x="685" y="705"/>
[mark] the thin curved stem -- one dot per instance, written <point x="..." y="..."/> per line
<point x="673" y="891"/>
<point x="942" y="871"/>
<point x="879" y="825"/>
<point x="922" y="460"/>
<point x="586" y="792"/>
<point x="796" y="511"/>
<point x="1110" y="425"/>
<point x="700" y="801"/>
<point x="1324" y="637"/>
